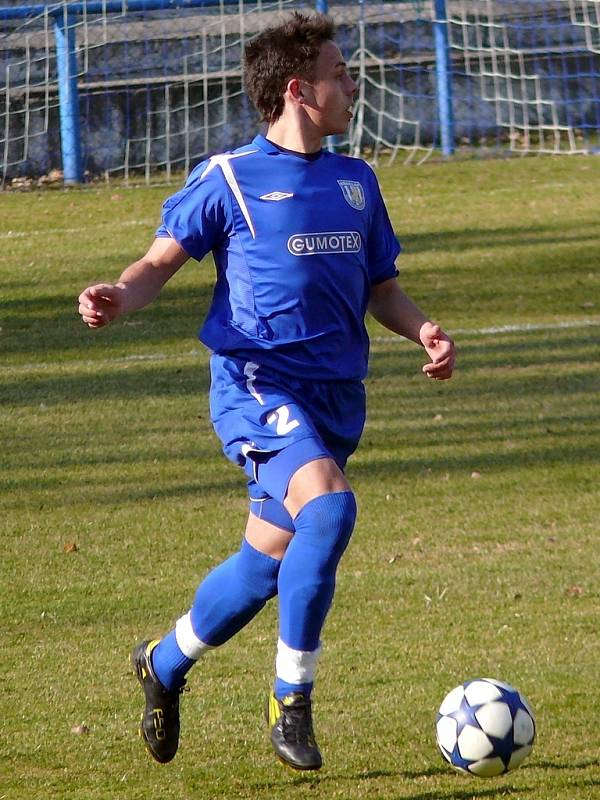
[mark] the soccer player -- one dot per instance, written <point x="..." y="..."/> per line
<point x="303" y="246"/>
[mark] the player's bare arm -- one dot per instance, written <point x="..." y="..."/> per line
<point x="138" y="285"/>
<point x="394" y="309"/>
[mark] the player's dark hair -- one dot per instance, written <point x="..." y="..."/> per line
<point x="286" y="51"/>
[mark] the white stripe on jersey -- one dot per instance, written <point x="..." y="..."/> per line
<point x="250" y="372"/>
<point x="222" y="161"/>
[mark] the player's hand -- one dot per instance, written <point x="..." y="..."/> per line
<point x="440" y="349"/>
<point x="101" y="304"/>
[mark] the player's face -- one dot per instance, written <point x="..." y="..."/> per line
<point x="333" y="92"/>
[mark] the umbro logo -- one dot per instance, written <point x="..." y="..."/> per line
<point x="276" y="196"/>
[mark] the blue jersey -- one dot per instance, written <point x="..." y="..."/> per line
<point x="297" y="245"/>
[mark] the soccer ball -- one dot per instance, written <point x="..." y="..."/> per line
<point x="485" y="727"/>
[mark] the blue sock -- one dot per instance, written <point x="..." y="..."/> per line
<point x="307" y="575"/>
<point x="169" y="663"/>
<point x="232" y="594"/>
<point x="281" y="688"/>
<point x="226" y="600"/>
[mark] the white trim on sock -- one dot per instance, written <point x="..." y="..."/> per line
<point x="189" y="644"/>
<point x="295" y="666"/>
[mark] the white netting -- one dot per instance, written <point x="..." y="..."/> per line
<point x="156" y="92"/>
<point x="586" y="14"/>
<point x="382" y="125"/>
<point x="486" y="33"/>
<point x="26" y="102"/>
<point x="159" y="90"/>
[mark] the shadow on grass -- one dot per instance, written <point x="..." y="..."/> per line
<point x="474" y="787"/>
<point x="533" y="439"/>
<point x="403" y="365"/>
<point x="50" y="323"/>
<point x="98" y="494"/>
<point x="466" y="794"/>
<point x="537" y="349"/>
<point x="95" y="489"/>
<point x="513" y="236"/>
<point x="564" y="765"/>
<point x="481" y="422"/>
<point x="484" y="461"/>
<point x="130" y="380"/>
<point x="393" y="364"/>
<point x="312" y="781"/>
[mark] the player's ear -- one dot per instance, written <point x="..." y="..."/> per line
<point x="294" y="89"/>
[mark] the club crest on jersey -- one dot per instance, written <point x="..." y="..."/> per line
<point x="354" y="194"/>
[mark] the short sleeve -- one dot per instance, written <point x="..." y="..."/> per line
<point x="197" y="216"/>
<point x="382" y="245"/>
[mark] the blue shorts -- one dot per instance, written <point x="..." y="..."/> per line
<point x="271" y="424"/>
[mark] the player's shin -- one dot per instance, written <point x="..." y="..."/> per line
<point x="307" y="582"/>
<point x="226" y="600"/>
<point x="306" y="587"/>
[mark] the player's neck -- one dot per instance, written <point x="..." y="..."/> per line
<point x="299" y="138"/>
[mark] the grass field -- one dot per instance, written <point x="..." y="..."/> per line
<point x="476" y="551"/>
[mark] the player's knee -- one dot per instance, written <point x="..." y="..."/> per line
<point x="232" y="594"/>
<point x="249" y="579"/>
<point x="258" y="571"/>
<point x="328" y="520"/>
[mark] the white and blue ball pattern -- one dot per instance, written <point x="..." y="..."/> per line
<point x="485" y="727"/>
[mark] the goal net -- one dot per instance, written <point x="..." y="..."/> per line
<point x="159" y="90"/>
<point x="529" y="70"/>
<point x="525" y="76"/>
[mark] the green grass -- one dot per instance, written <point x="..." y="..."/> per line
<point x="107" y="444"/>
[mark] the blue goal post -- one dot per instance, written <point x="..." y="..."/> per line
<point x="65" y="15"/>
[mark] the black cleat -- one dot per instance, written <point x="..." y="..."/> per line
<point x="292" y="736"/>
<point x="159" y="727"/>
